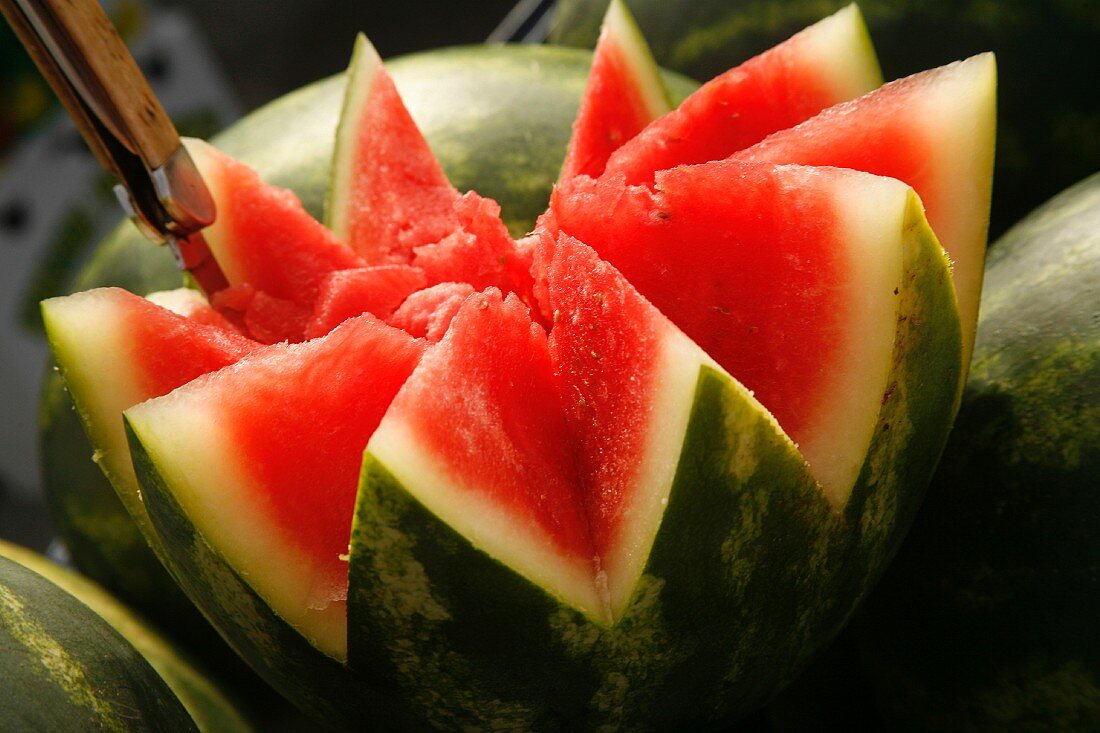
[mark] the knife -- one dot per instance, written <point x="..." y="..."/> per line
<point x="81" y="55"/>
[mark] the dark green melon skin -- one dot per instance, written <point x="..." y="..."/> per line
<point x="1048" y="133"/>
<point x="498" y="118"/>
<point x="65" y="669"/>
<point x="323" y="688"/>
<point x="1004" y="562"/>
<point x="752" y="572"/>
<point x="207" y="705"/>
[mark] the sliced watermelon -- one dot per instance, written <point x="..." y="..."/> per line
<point x="480" y="251"/>
<point x="549" y="456"/>
<point x="191" y="305"/>
<point x="438" y="608"/>
<point x="935" y="131"/>
<point x="787" y="276"/>
<point x="829" y="62"/>
<point x="265" y="456"/>
<point x="624" y="94"/>
<point x="491" y="401"/>
<point x="349" y="293"/>
<point x="262" y="236"/>
<point x="428" y="313"/>
<point x="627" y="378"/>
<point x="388" y="192"/>
<point x="116" y="349"/>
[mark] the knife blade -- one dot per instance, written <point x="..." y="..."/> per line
<point x="87" y="64"/>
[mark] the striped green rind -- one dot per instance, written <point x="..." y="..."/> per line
<point x="1002" y="562"/>
<point x="751" y="573"/>
<point x="921" y="400"/>
<point x="323" y="688"/>
<point x="208" y="707"/>
<point x="64" y="668"/>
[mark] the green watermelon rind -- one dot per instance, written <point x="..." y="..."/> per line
<point x="1007" y="541"/>
<point x="705" y="637"/>
<point x="65" y="668"/>
<point x="206" y="705"/>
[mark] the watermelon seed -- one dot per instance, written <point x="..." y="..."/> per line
<point x="722" y="309"/>
<point x="753" y="329"/>
<point x="557" y="314"/>
<point x="896" y="291"/>
<point x="598" y="297"/>
<point x="663" y="215"/>
<point x="483" y="304"/>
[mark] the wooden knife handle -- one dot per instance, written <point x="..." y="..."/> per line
<point x="97" y="62"/>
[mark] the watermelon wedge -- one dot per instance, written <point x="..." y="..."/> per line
<point x="262" y="235"/>
<point x="116" y="349"/>
<point x="936" y="131"/>
<point x="388" y="192"/>
<point x="248" y="429"/>
<point x="805" y="316"/>
<point x="624" y="94"/>
<point x="827" y="63"/>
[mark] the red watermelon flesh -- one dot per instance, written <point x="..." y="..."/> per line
<point x="479" y="251"/>
<point x="787" y="276"/>
<point x="349" y="293"/>
<point x="555" y="456"/>
<point x="262" y="236"/>
<point x="297" y="417"/>
<point x="428" y="313"/>
<point x="192" y="306"/>
<point x="627" y="379"/>
<point x="829" y="62"/>
<point x="389" y="194"/>
<point x="935" y="132"/>
<point x="260" y="316"/>
<point x="624" y="94"/>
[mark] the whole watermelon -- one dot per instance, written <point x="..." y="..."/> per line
<point x="1049" y="126"/>
<point x="75" y="659"/>
<point x="497" y="117"/>
<point x="986" y="620"/>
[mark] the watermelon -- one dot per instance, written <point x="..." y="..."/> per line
<point x="76" y="659"/>
<point x="477" y="106"/>
<point x="1001" y="561"/>
<point x="915" y="129"/>
<point x="624" y="94"/>
<point x="568" y="513"/>
<point x="160" y="350"/>
<point x="1049" y="111"/>
<point x="831" y="61"/>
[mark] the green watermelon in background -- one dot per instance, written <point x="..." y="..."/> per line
<point x="1049" y="117"/>
<point x="75" y="659"/>
<point x="986" y="620"/>
<point x="558" y="510"/>
<point x="498" y="119"/>
<point x="1002" y="564"/>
